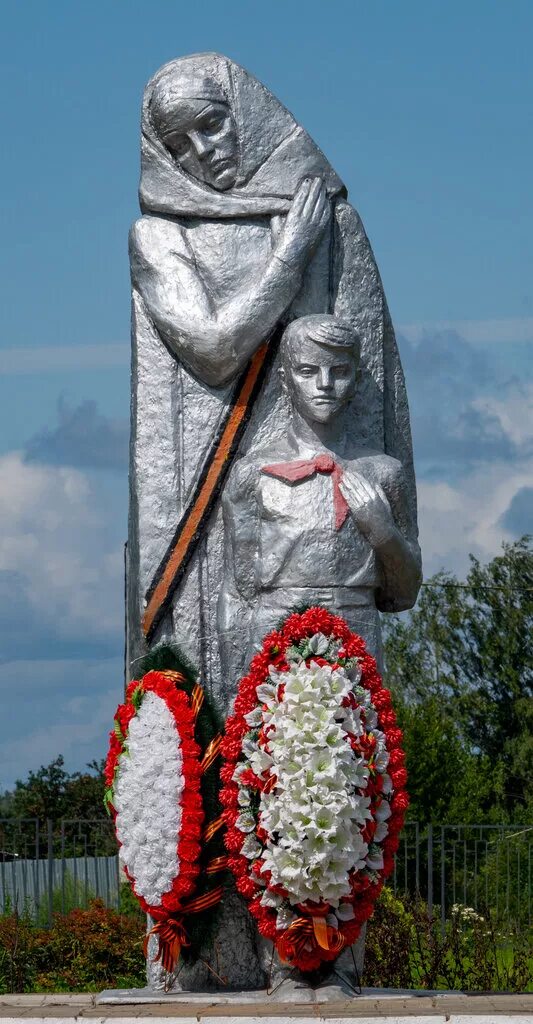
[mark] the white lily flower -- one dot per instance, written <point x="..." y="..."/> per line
<point x="383" y="811"/>
<point x="387" y="785"/>
<point x="246" y="822"/>
<point x="318" y="806"/>
<point x="382" y="830"/>
<point x="254" y="718"/>
<point x="266" y="693"/>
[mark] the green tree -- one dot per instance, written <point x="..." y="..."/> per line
<point x="461" y="668"/>
<point x="52" y="792"/>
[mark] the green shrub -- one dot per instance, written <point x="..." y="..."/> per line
<point x="18" y="944"/>
<point x="406" y="947"/>
<point x="85" y="950"/>
<point x="90" y="949"/>
<point x="96" y="948"/>
<point x="470" y="953"/>
<point x="388" y="938"/>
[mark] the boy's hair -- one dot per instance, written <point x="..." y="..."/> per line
<point x="324" y="329"/>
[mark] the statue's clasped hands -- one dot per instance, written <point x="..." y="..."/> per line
<point x="305" y="223"/>
<point x="369" y="507"/>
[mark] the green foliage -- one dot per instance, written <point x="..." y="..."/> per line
<point x="90" y="949"/>
<point x="406" y="948"/>
<point x="52" y="792"/>
<point x="87" y="950"/>
<point x="19" y="941"/>
<point x="388" y="937"/>
<point x="461" y="670"/>
<point x="66" y="897"/>
<point x="470" y="954"/>
<point x="129" y="904"/>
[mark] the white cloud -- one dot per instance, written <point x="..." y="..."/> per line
<point x="466" y="516"/>
<point x="513" y="410"/>
<point x="60" y="562"/>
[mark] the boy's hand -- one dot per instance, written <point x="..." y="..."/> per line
<point x="369" y="507"/>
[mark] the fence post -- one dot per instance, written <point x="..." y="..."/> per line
<point x="430" y="870"/>
<point x="50" y="830"/>
<point x="443" y="879"/>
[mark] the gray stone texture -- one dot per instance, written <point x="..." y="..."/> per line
<point x="245" y="226"/>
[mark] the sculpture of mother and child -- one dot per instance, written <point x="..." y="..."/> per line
<point x="271" y="461"/>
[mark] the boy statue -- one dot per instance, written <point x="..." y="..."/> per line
<point x="313" y="517"/>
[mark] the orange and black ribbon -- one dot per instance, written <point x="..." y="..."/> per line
<point x="308" y="931"/>
<point x="197" y="699"/>
<point x="177" y="677"/>
<point x="171" y="933"/>
<point x="217" y="464"/>
<point x="211" y="753"/>
<point x="213" y="827"/>
<point x="171" y="936"/>
<point x="216" y="864"/>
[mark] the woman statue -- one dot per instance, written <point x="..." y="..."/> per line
<point x="245" y="226"/>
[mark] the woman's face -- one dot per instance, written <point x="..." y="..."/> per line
<point x="201" y="134"/>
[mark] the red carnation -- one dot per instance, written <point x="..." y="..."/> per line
<point x="267" y="927"/>
<point x="400" y="802"/>
<point x="248" y="778"/>
<point x="170" y="901"/>
<point x="245" y="702"/>
<point x="399" y="778"/>
<point x="131" y="687"/>
<point x="396" y="758"/>
<point x="387" y="719"/>
<point x="392" y="844"/>
<point x="246" y="886"/>
<point x="227" y="771"/>
<point x="381" y="699"/>
<point x="238" y="865"/>
<point x="394" y="738"/>
<point x="236" y="727"/>
<point x="124" y="715"/>
<point x="233" y="839"/>
<point x="189" y="850"/>
<point x="388" y="864"/>
<point x="230" y="749"/>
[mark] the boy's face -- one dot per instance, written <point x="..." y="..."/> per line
<point x="320" y="380"/>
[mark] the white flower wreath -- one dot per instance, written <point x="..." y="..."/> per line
<point x="147" y="799"/>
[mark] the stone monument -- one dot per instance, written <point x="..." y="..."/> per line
<point x="245" y="233"/>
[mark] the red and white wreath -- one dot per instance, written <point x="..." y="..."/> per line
<point x="153" y="775"/>
<point x="313" y="787"/>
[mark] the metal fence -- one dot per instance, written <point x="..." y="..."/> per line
<point x="478" y="867"/>
<point x="50" y="866"/>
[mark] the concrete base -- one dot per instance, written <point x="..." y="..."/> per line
<point x="289" y="992"/>
<point x="373" y="1006"/>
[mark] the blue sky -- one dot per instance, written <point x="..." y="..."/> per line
<point x="425" y="111"/>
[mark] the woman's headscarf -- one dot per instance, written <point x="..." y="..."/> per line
<point x="275" y="152"/>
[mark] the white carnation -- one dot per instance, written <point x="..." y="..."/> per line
<point x="147" y="795"/>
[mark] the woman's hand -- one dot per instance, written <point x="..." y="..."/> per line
<point x="304" y="225"/>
